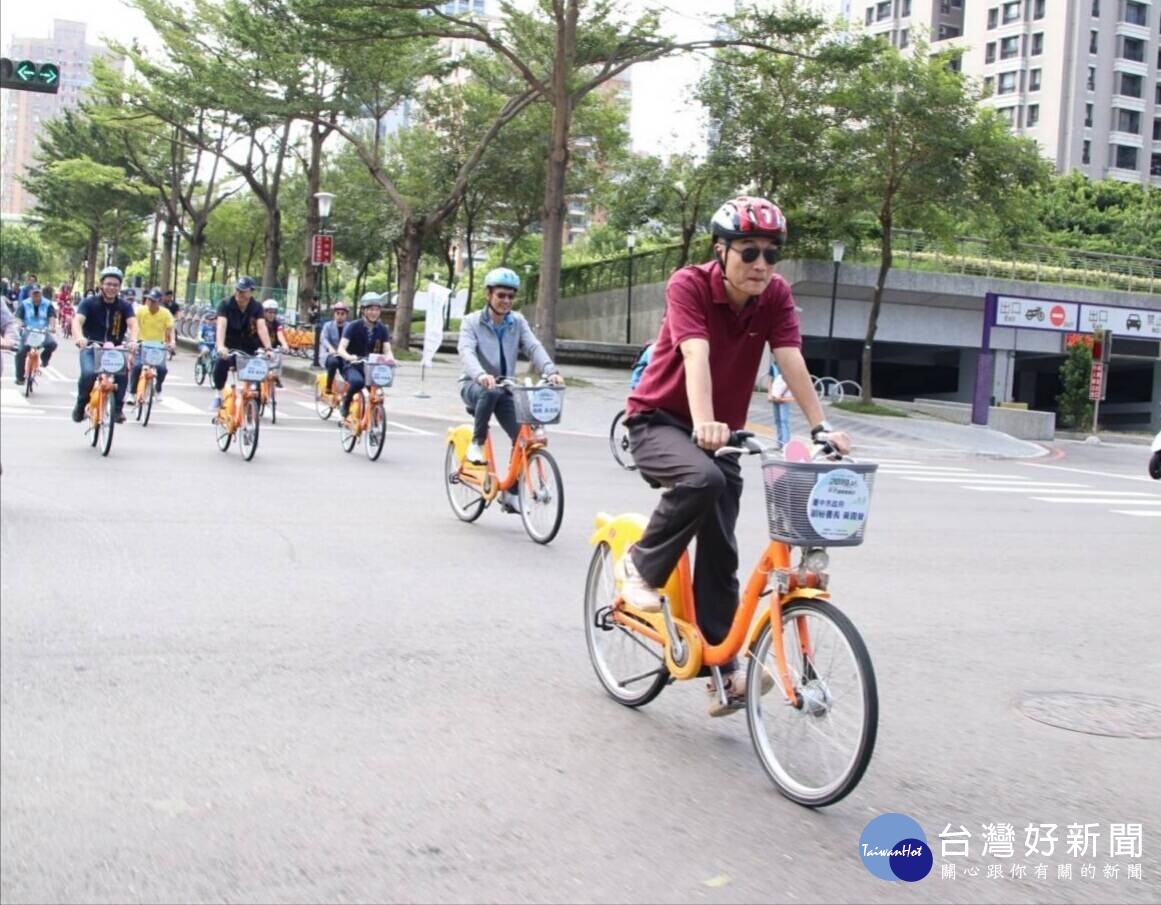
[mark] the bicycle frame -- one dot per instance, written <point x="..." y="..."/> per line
<point x="484" y="477"/>
<point x="373" y="396"/>
<point x="620" y="533"/>
<point x="236" y="401"/>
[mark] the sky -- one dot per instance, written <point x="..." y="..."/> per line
<point x="663" y="119"/>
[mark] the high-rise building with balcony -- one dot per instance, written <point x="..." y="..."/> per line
<point x="25" y="112"/>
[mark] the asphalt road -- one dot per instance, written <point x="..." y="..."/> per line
<point x="302" y="679"/>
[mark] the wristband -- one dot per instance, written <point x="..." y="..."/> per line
<point x="823" y="427"/>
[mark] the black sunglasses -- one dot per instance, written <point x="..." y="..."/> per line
<point x="503" y="295"/>
<point x="750" y="253"/>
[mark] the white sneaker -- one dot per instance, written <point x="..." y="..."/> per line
<point x="476" y="454"/>
<point x="131" y="401"/>
<point x="510" y="502"/>
<point x="635" y="590"/>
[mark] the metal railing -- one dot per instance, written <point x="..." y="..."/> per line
<point x="212" y="293"/>
<point x="911" y="250"/>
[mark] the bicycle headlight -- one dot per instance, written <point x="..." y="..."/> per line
<point x="816" y="560"/>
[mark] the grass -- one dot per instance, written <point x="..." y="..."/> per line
<point x="402" y="354"/>
<point x="859" y="407"/>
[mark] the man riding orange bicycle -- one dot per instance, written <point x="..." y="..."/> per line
<point x="719" y="317"/>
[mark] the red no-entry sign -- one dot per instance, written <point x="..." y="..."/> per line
<point x="1056" y="315"/>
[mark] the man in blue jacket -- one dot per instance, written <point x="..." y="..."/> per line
<point x="490" y="342"/>
<point x="36" y="313"/>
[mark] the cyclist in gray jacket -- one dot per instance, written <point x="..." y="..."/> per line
<point x="490" y="341"/>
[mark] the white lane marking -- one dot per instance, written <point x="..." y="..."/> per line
<point x="922" y="468"/>
<point x="1103" y="501"/>
<point x="182" y="408"/>
<point x="1021" y="488"/>
<point x="414" y="430"/>
<point x="1085" y="471"/>
<point x="976" y="479"/>
<point x="12" y="398"/>
<point x="1156" y="514"/>
<point x="1031" y="486"/>
<point x="19" y="412"/>
<point x="54" y="374"/>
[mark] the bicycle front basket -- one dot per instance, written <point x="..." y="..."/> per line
<point x="275" y="362"/>
<point x="34" y="339"/>
<point x="253" y="368"/>
<point x="110" y="361"/>
<point x="539" y="404"/>
<point x="378" y="373"/>
<point x="153" y="355"/>
<point x="817" y="504"/>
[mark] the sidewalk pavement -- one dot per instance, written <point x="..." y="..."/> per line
<point x="596" y="394"/>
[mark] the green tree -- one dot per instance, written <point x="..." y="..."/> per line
<point x="917" y="148"/>
<point x="21" y="252"/>
<point x="1073" y="406"/>
<point x="1106" y="216"/>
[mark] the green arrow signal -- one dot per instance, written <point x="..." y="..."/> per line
<point x="26" y="70"/>
<point x="48" y="73"/>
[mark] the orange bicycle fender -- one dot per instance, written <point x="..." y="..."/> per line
<point x="618" y="531"/>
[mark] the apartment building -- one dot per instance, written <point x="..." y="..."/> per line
<point x="24" y="112"/>
<point x="900" y="20"/>
<point x="1078" y="76"/>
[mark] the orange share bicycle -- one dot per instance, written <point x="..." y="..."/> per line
<point x="153" y="354"/>
<point x="268" y="398"/>
<point x="239" y="412"/>
<point x="325" y="403"/>
<point x="815" y="734"/>
<point x="367" y="417"/>
<point x="101" y="409"/>
<point x="33" y="341"/>
<point x="532" y="471"/>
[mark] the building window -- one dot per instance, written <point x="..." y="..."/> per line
<point x="955" y="64"/>
<point x="906" y="8"/>
<point x="1011" y="11"/>
<point x="1124" y="157"/>
<point x="870" y="14"/>
<point x="1086" y="152"/>
<point x="1090" y="82"/>
<point x="904" y="37"/>
<point x="1130" y="85"/>
<point x="1088" y="116"/>
<point x="883" y="10"/>
<point x="1127" y="121"/>
<point x="1037" y="44"/>
<point x="1033" y="115"/>
<point x="1157" y="129"/>
<point x="1096" y="8"/>
<point x="1136" y="13"/>
<point x="1010" y="47"/>
<point x="1132" y="49"/>
<point x="1155" y="165"/>
<point x="1007" y="83"/>
<point x="989" y="86"/>
<point x="1094" y="41"/>
<point x="990" y="52"/>
<point x="1157" y="94"/>
<point x="1008" y="115"/>
<point x="948" y="31"/>
<point x="1034" y="80"/>
<point x="1038" y="10"/>
<point x="993" y="16"/>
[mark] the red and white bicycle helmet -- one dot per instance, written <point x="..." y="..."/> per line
<point x="747" y="217"/>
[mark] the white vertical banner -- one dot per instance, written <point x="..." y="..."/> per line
<point x="437" y="299"/>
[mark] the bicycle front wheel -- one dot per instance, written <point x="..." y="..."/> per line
<point x="816" y="748"/>
<point x="376" y="433"/>
<point x="465" y="499"/>
<point x="248" y="439"/>
<point x="108" y="408"/>
<point x="541" y="496"/>
<point x="321" y="404"/>
<point x="148" y="406"/>
<point x="200" y="371"/>
<point x="619" y="442"/>
<point x="630" y="666"/>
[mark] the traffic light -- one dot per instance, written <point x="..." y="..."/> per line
<point x="1102" y="345"/>
<point x="25" y="75"/>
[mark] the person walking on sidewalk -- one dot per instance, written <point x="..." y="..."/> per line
<point x="779" y="394"/>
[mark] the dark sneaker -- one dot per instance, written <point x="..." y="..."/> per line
<point x="119" y="417"/>
<point x="79" y="412"/>
<point x="735" y="692"/>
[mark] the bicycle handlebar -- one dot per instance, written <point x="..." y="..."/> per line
<point x="745" y="443"/>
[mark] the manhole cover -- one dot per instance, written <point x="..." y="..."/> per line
<point x="1096" y="714"/>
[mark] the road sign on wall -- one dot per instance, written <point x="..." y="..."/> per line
<point x="1036" y="314"/>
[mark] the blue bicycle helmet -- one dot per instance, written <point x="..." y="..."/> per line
<point x="502" y="276"/>
<point x="112" y="272"/>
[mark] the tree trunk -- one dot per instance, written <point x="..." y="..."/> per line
<point x="885" y="260"/>
<point x="153" y="251"/>
<point x="270" y="264"/>
<point x="306" y="287"/>
<point x="91" y="270"/>
<point x="197" y="242"/>
<point x="410" y="250"/>
<point x="469" y="229"/>
<point x="167" y="262"/>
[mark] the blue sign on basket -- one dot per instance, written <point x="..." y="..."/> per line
<point x="112" y="361"/>
<point x="837" y="506"/>
<point x="544" y="404"/>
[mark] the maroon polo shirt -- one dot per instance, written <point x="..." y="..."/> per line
<point x="696" y="307"/>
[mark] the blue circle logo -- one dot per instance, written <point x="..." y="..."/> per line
<point x="894" y="847"/>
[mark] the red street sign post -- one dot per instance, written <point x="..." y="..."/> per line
<point x="322" y="249"/>
<point x="1096" y="381"/>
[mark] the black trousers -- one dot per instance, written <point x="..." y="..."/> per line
<point x="483" y="403"/>
<point x="333" y="364"/>
<point x="700" y="502"/>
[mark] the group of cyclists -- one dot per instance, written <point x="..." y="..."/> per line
<point x="692" y="394"/>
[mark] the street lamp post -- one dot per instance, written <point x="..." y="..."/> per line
<point x="837" y="248"/>
<point x="630" y="243"/>
<point x="324" y="200"/>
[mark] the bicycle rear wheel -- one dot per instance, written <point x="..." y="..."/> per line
<point x="347" y="434"/>
<point x="629" y="665"/>
<point x="816" y="748"/>
<point x="321" y="405"/>
<point x="376" y="434"/>
<point x="248" y="432"/>
<point x="222" y="433"/>
<point x="619" y="442"/>
<point x="108" y="408"/>
<point x="465" y="500"/>
<point x="541" y="496"/>
<point x="200" y="370"/>
<point x="29" y="383"/>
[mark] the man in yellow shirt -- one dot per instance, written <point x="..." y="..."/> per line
<point x="154" y="325"/>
